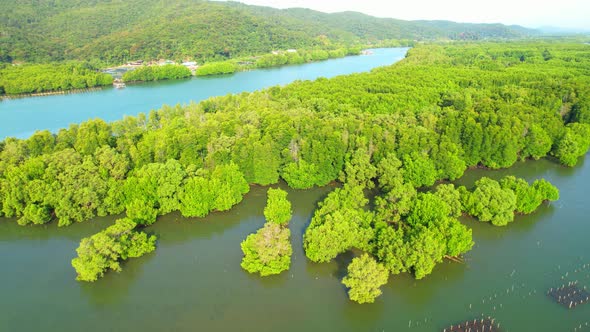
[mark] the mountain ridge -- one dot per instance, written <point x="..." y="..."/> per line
<point x="117" y="30"/>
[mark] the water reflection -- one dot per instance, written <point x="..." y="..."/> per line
<point x="114" y="287"/>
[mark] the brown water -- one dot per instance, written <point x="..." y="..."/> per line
<point x="193" y="281"/>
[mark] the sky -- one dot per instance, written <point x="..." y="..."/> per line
<point x="572" y="14"/>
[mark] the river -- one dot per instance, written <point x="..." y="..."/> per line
<point x="193" y="281"/>
<point x="21" y="117"/>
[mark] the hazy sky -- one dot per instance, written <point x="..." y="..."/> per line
<point x="560" y="13"/>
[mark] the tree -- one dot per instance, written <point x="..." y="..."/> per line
<point x="419" y="170"/>
<point x="359" y="170"/>
<point x="448" y="194"/>
<point x="340" y="223"/>
<point x="197" y="197"/>
<point x="459" y="238"/>
<point x="489" y="202"/>
<point x="428" y="248"/>
<point x="529" y="198"/>
<point x="365" y="277"/>
<point x="105" y="250"/>
<point x="537" y="143"/>
<point x="278" y="208"/>
<point x="268" y="251"/>
<point x="91" y="135"/>
<point x="573" y="144"/>
<point x="391" y="249"/>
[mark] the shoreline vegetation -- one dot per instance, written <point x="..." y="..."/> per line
<point x="36" y="79"/>
<point x="396" y="129"/>
<point x="53" y="79"/>
<point x="50" y="93"/>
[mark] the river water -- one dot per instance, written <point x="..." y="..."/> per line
<point x="193" y="281"/>
<point x="21" y="117"/>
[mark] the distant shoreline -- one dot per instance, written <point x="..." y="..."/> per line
<point x="49" y="93"/>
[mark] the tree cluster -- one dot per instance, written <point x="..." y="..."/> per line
<point x="107" y="249"/>
<point x="217" y="68"/>
<point x="50" y="77"/>
<point x="269" y="250"/>
<point x="156" y="73"/>
<point x="497" y="202"/>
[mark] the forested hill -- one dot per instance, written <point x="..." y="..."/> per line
<point x="120" y="30"/>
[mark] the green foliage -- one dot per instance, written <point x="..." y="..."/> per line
<point x="359" y="170"/>
<point x="156" y="73"/>
<point x="50" y="77"/>
<point x="365" y="277"/>
<point x="278" y="207"/>
<point x="423" y="234"/>
<point x="498" y="201"/>
<point x="391" y="249"/>
<point x="428" y="249"/>
<point x="573" y="144"/>
<point x="197" y="197"/>
<point x="36" y="214"/>
<point x="105" y="250"/>
<point x="490" y="202"/>
<point x="268" y="251"/>
<point x="302" y="175"/>
<point x="537" y="143"/>
<point x="91" y="135"/>
<point x="389" y="172"/>
<point x="218" y="190"/>
<point x="419" y="170"/>
<point x="216" y="68"/>
<point x="153" y="190"/>
<point x="451" y="196"/>
<point x="529" y="198"/>
<point x="339" y="224"/>
<point x="300" y="56"/>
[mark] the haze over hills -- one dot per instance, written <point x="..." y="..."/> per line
<point x="120" y="30"/>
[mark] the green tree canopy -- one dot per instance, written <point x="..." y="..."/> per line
<point x="268" y="251"/>
<point x="365" y="277"/>
<point x="105" y="250"/>
<point x="278" y="207"/>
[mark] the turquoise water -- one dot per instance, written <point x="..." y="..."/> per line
<point x="21" y="117"/>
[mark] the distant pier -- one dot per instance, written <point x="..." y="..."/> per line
<point x="49" y="93"/>
<point x="475" y="325"/>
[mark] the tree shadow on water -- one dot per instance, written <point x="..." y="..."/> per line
<point x="113" y="287"/>
<point x="342" y="262"/>
<point x="272" y="281"/>
<point x="364" y="317"/>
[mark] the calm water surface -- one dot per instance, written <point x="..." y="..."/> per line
<point x="21" y="117"/>
<point x="193" y="281"/>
